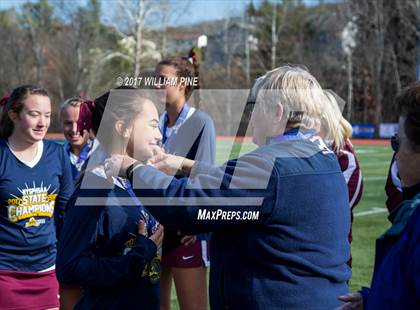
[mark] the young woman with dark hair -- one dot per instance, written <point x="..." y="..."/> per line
<point x="190" y="133"/>
<point x="110" y="242"/>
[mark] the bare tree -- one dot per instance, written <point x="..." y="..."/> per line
<point x="348" y="42"/>
<point x="132" y="16"/>
<point x="386" y="55"/>
<point x="171" y="12"/>
<point x="39" y="21"/>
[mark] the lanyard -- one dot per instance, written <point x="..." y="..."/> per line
<point x="168" y="132"/>
<point x="100" y="156"/>
<point x="293" y="134"/>
<point x="81" y="159"/>
<point x="152" y="270"/>
<point x="296" y="135"/>
<point x="150" y="221"/>
<point x="84" y="152"/>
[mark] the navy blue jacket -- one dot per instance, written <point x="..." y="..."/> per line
<point x="396" y="278"/>
<point x="101" y="251"/>
<point x="293" y="256"/>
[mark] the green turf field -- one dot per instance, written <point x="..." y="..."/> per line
<point x="374" y="160"/>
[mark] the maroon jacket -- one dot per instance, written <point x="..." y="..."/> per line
<point x="353" y="175"/>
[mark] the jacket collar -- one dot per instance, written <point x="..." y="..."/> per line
<point x="401" y="215"/>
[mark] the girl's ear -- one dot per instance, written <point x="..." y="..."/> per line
<point x="122" y="130"/>
<point x="12" y="115"/>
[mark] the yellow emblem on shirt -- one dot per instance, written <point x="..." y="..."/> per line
<point x="34" y="202"/>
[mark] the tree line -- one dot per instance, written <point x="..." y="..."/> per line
<point x="366" y="51"/>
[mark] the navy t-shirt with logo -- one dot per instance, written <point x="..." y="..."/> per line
<point x="33" y="197"/>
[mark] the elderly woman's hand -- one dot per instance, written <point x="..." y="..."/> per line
<point x="171" y="164"/>
<point x="353" y="301"/>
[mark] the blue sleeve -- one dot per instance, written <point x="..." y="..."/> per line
<point x="412" y="253"/>
<point x="244" y="185"/>
<point x="66" y="190"/>
<point x="77" y="262"/>
<point x="206" y="151"/>
<point x="365" y="294"/>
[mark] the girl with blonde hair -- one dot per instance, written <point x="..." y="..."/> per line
<point x="339" y="141"/>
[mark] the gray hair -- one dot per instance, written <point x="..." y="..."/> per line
<point x="304" y="102"/>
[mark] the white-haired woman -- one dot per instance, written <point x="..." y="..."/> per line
<point x="279" y="215"/>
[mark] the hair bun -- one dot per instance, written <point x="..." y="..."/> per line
<point x="3" y="100"/>
<point x="90" y="104"/>
<point x="85" y="115"/>
<point x="192" y="56"/>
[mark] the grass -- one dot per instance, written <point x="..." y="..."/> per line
<point x="374" y="161"/>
